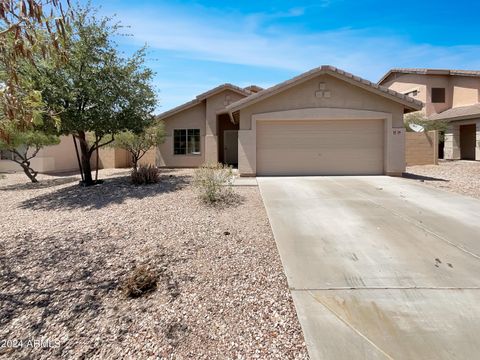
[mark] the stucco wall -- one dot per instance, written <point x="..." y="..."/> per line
<point x="408" y="82"/>
<point x="51" y="159"/>
<point x="343" y="95"/>
<point x="421" y="148"/>
<point x="150" y="157"/>
<point x="215" y="104"/>
<point x="192" y="118"/>
<point x="453" y="140"/>
<point x="459" y="90"/>
<point x="466" y="90"/>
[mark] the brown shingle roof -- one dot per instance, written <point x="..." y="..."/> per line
<point x="199" y="98"/>
<point x="429" y="72"/>
<point x="407" y="101"/>
<point x="458" y="113"/>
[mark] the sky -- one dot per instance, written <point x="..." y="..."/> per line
<point x="194" y="46"/>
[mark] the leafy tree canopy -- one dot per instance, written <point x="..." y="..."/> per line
<point x="99" y="90"/>
<point x="137" y="144"/>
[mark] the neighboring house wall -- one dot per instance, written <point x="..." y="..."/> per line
<point x="459" y="90"/>
<point x="110" y="158"/>
<point x="407" y="83"/>
<point x="453" y="145"/>
<point x="466" y="91"/>
<point x="192" y="118"/>
<point x="343" y="95"/>
<point x="421" y="148"/>
<point x="51" y="159"/>
<point x="150" y="157"/>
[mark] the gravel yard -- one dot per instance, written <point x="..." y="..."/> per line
<point x="64" y="252"/>
<point x="458" y="176"/>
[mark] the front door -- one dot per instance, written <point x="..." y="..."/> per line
<point x="230" y="147"/>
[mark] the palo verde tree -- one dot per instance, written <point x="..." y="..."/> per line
<point x="101" y="92"/>
<point x="137" y="144"/>
<point x="25" y="145"/>
<point x="30" y="127"/>
<point x="31" y="31"/>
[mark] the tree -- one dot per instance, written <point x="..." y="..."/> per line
<point x="99" y="91"/>
<point x="24" y="140"/>
<point x="419" y="118"/>
<point x="29" y="32"/>
<point x="25" y="145"/>
<point x="137" y="144"/>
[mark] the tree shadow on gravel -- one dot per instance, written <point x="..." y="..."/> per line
<point x="54" y="279"/>
<point x="422" y="178"/>
<point x="112" y="191"/>
<point x="42" y="184"/>
<point x="56" y="285"/>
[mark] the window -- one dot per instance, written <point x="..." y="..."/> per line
<point x="186" y="141"/>
<point x="438" y="95"/>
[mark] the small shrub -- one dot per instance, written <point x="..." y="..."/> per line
<point x="214" y="182"/>
<point x="145" y="175"/>
<point x="141" y="281"/>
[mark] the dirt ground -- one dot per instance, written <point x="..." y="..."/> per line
<point x="65" y="252"/>
<point x="459" y="176"/>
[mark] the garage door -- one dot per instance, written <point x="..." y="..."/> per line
<point x="324" y="147"/>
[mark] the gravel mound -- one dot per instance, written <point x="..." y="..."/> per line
<point x="65" y="252"/>
<point x="459" y="176"/>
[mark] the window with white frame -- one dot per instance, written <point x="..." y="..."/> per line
<point x="186" y="142"/>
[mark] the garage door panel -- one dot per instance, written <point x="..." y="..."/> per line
<point x="326" y="147"/>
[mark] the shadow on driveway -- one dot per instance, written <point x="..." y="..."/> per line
<point x="422" y="178"/>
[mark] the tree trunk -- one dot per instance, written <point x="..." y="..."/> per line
<point x="135" y="163"/>
<point x="85" y="159"/>
<point x="32" y="174"/>
<point x="96" y="159"/>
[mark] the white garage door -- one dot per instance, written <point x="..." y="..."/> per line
<point x="324" y="147"/>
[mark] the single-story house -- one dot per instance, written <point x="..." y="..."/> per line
<point x="323" y="122"/>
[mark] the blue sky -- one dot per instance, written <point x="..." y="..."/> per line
<point x="196" y="45"/>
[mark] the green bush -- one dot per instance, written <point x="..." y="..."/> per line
<point x="214" y="182"/>
<point x="145" y="174"/>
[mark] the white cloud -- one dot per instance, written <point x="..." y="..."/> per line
<point x="231" y="38"/>
<point x="261" y="41"/>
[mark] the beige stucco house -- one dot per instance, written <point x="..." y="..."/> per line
<point x="323" y="122"/>
<point x="449" y="95"/>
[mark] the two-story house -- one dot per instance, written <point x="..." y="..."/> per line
<point x="448" y="95"/>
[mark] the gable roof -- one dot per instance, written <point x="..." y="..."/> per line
<point x="429" y="72"/>
<point x="202" y="97"/>
<point x="458" y="113"/>
<point x="408" y="102"/>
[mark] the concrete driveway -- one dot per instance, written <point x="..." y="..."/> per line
<point x="379" y="267"/>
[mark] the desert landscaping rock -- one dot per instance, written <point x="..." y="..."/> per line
<point x="65" y="253"/>
<point x="459" y="176"/>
